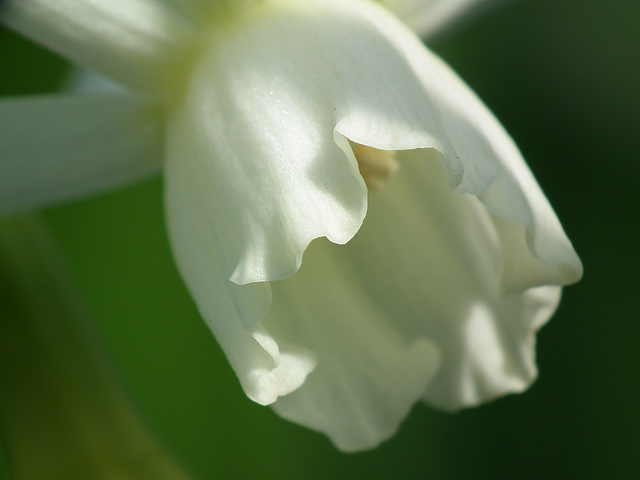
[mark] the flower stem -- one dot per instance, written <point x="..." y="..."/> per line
<point x="62" y="412"/>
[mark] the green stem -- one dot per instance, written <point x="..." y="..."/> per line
<point x="62" y="412"/>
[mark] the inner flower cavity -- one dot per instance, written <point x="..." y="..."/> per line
<point x="376" y="166"/>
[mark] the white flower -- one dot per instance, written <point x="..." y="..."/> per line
<point x="255" y="110"/>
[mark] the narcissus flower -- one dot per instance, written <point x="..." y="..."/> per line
<point x="275" y="123"/>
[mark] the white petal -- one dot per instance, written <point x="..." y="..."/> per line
<point x="369" y="373"/>
<point x="265" y="368"/>
<point x="54" y="149"/>
<point x="430" y="18"/>
<point x="254" y="142"/>
<point x="138" y="42"/>
<point x="195" y="10"/>
<point x="201" y="12"/>
<point x="89" y="82"/>
<point x="434" y="262"/>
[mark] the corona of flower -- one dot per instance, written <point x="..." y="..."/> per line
<point x="275" y="123"/>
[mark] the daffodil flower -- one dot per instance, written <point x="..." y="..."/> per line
<point x="278" y="122"/>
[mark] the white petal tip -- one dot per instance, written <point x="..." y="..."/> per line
<point x="267" y="385"/>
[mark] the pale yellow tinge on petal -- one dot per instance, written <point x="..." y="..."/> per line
<point x="376" y="166"/>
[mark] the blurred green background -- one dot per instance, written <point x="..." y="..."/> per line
<point x="563" y="76"/>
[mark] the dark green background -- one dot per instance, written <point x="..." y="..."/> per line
<point x="564" y="78"/>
